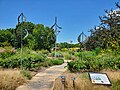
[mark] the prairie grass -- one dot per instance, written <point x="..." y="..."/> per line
<point x="10" y="79"/>
<point x="82" y="82"/>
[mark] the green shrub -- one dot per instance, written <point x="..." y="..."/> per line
<point x="26" y="74"/>
<point x="58" y="54"/>
<point x="5" y="55"/>
<point x="85" y="54"/>
<point x="78" y="65"/>
<point x="57" y="61"/>
<point x="46" y="63"/>
<point x="71" y="66"/>
<point x="6" y="52"/>
<point x="95" y="63"/>
<point x="27" y="60"/>
<point x="67" y="56"/>
<point x="97" y="50"/>
<point x="10" y="63"/>
<point x="46" y="52"/>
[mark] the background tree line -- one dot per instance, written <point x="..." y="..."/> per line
<point x="39" y="36"/>
<point x="67" y="45"/>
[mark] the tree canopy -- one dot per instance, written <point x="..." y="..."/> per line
<point x="39" y="36"/>
<point x="107" y="34"/>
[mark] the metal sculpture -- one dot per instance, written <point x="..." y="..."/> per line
<point x="21" y="19"/>
<point x="82" y="39"/>
<point x="55" y="27"/>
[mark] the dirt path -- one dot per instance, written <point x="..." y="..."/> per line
<point x="45" y="79"/>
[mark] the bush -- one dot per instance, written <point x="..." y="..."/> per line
<point x="46" y="52"/>
<point x="67" y="56"/>
<point x="11" y="62"/>
<point x="46" y="63"/>
<point x="58" y="54"/>
<point x="6" y="52"/>
<point x="97" y="50"/>
<point x="91" y="62"/>
<point x="57" y="61"/>
<point x="27" y="60"/>
<point x="86" y="54"/>
<point x="71" y="66"/>
<point x="26" y="74"/>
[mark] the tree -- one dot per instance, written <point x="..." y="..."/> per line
<point x="5" y="37"/>
<point x="44" y="37"/>
<point x="20" y="30"/>
<point x="38" y="36"/>
<point x="107" y="34"/>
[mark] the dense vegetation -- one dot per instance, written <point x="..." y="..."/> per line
<point x="92" y="61"/>
<point x="36" y="46"/>
<point x="39" y="37"/>
<point x="68" y="45"/>
<point x="30" y="59"/>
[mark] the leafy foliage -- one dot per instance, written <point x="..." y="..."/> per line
<point x="92" y="62"/>
<point x="26" y="74"/>
<point x="44" y="37"/>
<point x="39" y="37"/>
<point x="6" y="52"/>
<point x="58" y="54"/>
<point x="57" y="61"/>
<point x="19" y="33"/>
<point x="67" y="45"/>
<point x="27" y="60"/>
<point x="30" y="60"/>
<point x="5" y="38"/>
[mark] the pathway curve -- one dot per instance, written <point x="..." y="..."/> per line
<point x="45" y="79"/>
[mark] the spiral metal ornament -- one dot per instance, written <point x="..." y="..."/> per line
<point x="82" y="38"/>
<point x="21" y="18"/>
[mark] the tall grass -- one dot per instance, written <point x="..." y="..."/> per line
<point x="10" y="79"/>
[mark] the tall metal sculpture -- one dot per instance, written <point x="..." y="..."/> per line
<point x="82" y="39"/>
<point x="21" y="19"/>
<point x="56" y="27"/>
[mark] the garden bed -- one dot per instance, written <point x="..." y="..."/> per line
<point x="82" y="81"/>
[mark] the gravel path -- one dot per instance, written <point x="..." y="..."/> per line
<point x="45" y="79"/>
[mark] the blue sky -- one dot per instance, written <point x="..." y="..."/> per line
<point x="74" y="16"/>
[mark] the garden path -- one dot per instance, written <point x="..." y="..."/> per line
<point x="44" y="80"/>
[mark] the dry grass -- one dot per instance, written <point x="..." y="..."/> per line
<point x="10" y="79"/>
<point x="82" y="82"/>
<point x="113" y="75"/>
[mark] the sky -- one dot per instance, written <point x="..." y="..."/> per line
<point x="74" y="16"/>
